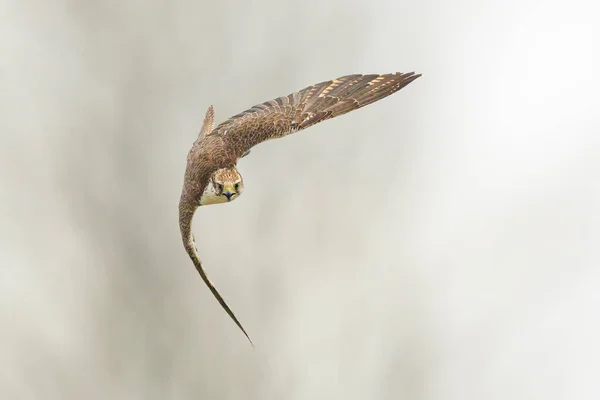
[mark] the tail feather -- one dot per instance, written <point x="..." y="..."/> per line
<point x="208" y="123"/>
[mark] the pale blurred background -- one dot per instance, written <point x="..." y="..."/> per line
<point x="443" y="243"/>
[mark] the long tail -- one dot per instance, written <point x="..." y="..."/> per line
<point x="186" y="214"/>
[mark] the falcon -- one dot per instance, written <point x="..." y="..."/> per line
<point x="211" y="175"/>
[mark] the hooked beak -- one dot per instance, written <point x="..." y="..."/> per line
<point x="228" y="193"/>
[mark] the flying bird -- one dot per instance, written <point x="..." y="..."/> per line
<point x="211" y="176"/>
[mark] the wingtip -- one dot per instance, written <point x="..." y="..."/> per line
<point x="407" y="76"/>
<point x="411" y="76"/>
<point x="247" y="336"/>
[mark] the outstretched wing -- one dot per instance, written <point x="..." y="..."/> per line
<point x="284" y="115"/>
<point x="186" y="214"/>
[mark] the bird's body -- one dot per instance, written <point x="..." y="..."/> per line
<point x="211" y="176"/>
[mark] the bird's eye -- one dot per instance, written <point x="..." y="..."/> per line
<point x="236" y="187"/>
<point x="219" y="187"/>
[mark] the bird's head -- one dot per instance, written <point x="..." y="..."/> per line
<point x="224" y="185"/>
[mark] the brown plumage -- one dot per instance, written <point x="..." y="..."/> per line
<point x="211" y="176"/>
